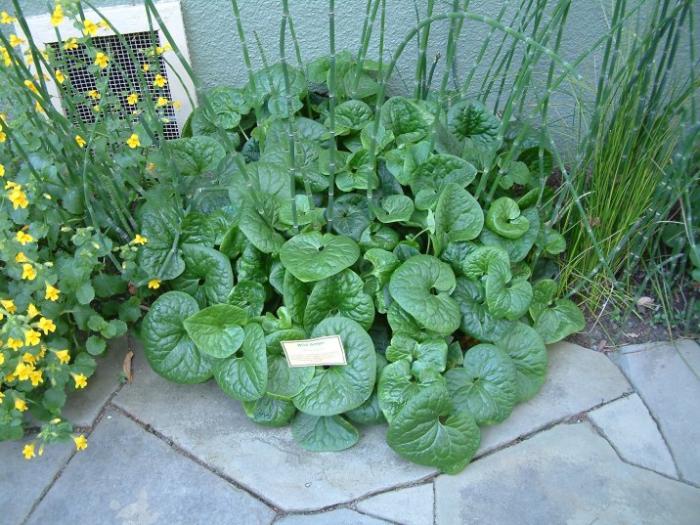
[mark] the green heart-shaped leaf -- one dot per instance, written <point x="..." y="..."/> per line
<point x="169" y="350"/>
<point x="485" y="385"/>
<point x="422" y="287"/>
<point x="397" y="385"/>
<point x="507" y="297"/>
<point x="207" y="277"/>
<point x="430" y="354"/>
<point x="340" y="295"/>
<point x="160" y="223"/>
<point x="394" y="208"/>
<point x="559" y="321"/>
<point x="504" y="218"/>
<point x="314" y="256"/>
<point x="269" y="411"/>
<point x="285" y="382"/>
<point x="476" y="264"/>
<point x="243" y="375"/>
<point x="256" y="223"/>
<point x="458" y="216"/>
<point x="477" y="319"/>
<point x="429" y="431"/>
<point x="337" y="389"/>
<point x="249" y="296"/>
<point x="526" y="348"/>
<point x="217" y="330"/>
<point x="323" y="434"/>
<point x="517" y="248"/>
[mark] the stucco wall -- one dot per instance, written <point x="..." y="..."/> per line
<point x="217" y="58"/>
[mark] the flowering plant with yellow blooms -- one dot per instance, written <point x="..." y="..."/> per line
<point x="69" y="241"/>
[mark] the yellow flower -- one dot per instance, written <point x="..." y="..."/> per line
<point x="28" y="451"/>
<point x="101" y="60"/>
<point x="32" y="337"/>
<point x="20" y="404"/>
<point x="154" y="284"/>
<point x="2" y="170"/>
<point x="94" y="94"/>
<point x="2" y="362"/>
<point x="57" y="16"/>
<point x="139" y="239"/>
<point x="63" y="356"/>
<point x="28" y="272"/>
<point x="32" y="311"/>
<point x="2" y="394"/>
<point x="9" y="305"/>
<point x="38" y="107"/>
<point x="31" y="87"/>
<point x="146" y="68"/>
<point x="89" y="27"/>
<point x="133" y="141"/>
<point x="52" y="293"/>
<point x="177" y="104"/>
<point x="160" y="81"/>
<point x="28" y="358"/>
<point x="15" y="344"/>
<point x="21" y="258"/>
<point x="36" y="377"/>
<point x="80" y="141"/>
<point x="80" y="442"/>
<point x="24" y="238"/>
<point x="5" y="18"/>
<point x="60" y="77"/>
<point x="132" y="99"/>
<point x="17" y="197"/>
<point x="15" y="40"/>
<point x="162" y="101"/>
<point x="23" y="371"/>
<point x="80" y="380"/>
<point x="46" y="325"/>
<point x="6" y="57"/>
<point x="71" y="44"/>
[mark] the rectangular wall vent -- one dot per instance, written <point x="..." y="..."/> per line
<point x="132" y="23"/>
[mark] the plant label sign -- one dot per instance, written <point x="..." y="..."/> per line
<point x="321" y="351"/>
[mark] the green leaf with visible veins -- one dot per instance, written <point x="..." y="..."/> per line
<point x="526" y="348"/>
<point x="243" y="375"/>
<point x="422" y="287"/>
<point x="337" y="389"/>
<point x="340" y="295"/>
<point x="485" y="385"/>
<point x="314" y="256"/>
<point x="430" y="431"/>
<point x="324" y="433"/>
<point x="207" y="277"/>
<point x="507" y="297"/>
<point x="218" y="329"/>
<point x="169" y="350"/>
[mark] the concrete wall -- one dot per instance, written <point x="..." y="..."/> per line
<point x="217" y="58"/>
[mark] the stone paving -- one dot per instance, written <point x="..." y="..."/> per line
<point x="599" y="444"/>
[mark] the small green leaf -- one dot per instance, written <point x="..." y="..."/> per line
<point x="526" y="348"/>
<point x="519" y="248"/>
<point x="507" y="297"/>
<point x="485" y="385"/>
<point x="285" y="382"/>
<point x="504" y="218"/>
<point x="394" y="208"/>
<point x="248" y="295"/>
<point x="218" y="329"/>
<point x="559" y="321"/>
<point x="422" y="287"/>
<point x="269" y="411"/>
<point x="243" y="375"/>
<point x="95" y="345"/>
<point x="207" y="277"/>
<point x="477" y="319"/>
<point x="314" y="256"/>
<point x="340" y="295"/>
<point x="429" y="431"/>
<point x="323" y="434"/>
<point x="458" y="216"/>
<point x="169" y="350"/>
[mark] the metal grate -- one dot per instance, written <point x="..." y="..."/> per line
<point x="122" y="80"/>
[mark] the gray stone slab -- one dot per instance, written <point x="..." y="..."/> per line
<point x="671" y="391"/>
<point x="23" y="481"/>
<point x="128" y="475"/>
<point x="213" y="427"/>
<point x="334" y="517"/>
<point x="409" y="506"/>
<point x="84" y="406"/>
<point x="629" y="427"/>
<point x="690" y="353"/>
<point x="568" y="474"/>
<point x="578" y="379"/>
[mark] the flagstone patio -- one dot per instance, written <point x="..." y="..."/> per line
<point x="600" y="443"/>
